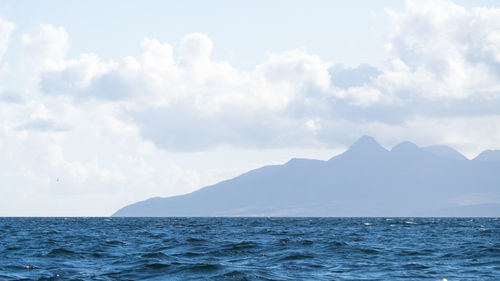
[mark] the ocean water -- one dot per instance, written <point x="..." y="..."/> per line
<point x="249" y="249"/>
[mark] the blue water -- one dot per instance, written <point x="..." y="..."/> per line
<point x="249" y="248"/>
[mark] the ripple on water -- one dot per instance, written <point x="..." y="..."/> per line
<point x="195" y="240"/>
<point x="156" y="255"/>
<point x="61" y="252"/>
<point x="297" y="256"/>
<point x="200" y="268"/>
<point x="157" y="265"/>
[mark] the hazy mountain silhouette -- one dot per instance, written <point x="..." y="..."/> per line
<point x="444" y="151"/>
<point x="366" y="180"/>
<point x="489" y="155"/>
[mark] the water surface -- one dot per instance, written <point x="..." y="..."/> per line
<point x="249" y="248"/>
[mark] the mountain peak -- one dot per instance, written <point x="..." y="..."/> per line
<point x="405" y="146"/>
<point x="489" y="155"/>
<point x="365" y="143"/>
<point x="365" y="146"/>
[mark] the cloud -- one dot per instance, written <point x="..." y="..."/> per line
<point x="297" y="67"/>
<point x="345" y="77"/>
<point x="174" y="103"/>
<point x="46" y="50"/>
<point x="74" y="74"/>
<point x="441" y="50"/>
<point x="42" y="125"/>
<point x="195" y="49"/>
<point x="442" y="64"/>
<point x="6" y="28"/>
<point x="10" y="97"/>
<point x="55" y="151"/>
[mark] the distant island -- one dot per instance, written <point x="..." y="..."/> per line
<point x="366" y="180"/>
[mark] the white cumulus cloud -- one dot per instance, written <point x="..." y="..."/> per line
<point x="6" y="28"/>
<point x="46" y="50"/>
<point x="442" y="50"/>
<point x="442" y="62"/>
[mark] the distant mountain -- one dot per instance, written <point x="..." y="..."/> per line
<point x="444" y="151"/>
<point x="489" y="155"/>
<point x="366" y="180"/>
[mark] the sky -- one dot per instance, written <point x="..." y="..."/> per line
<point x="105" y="103"/>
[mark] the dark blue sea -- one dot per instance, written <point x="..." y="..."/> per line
<point x="249" y="249"/>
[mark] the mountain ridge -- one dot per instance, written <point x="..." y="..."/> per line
<point x="365" y="180"/>
<point x="488" y="155"/>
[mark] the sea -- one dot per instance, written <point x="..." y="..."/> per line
<point x="249" y="248"/>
